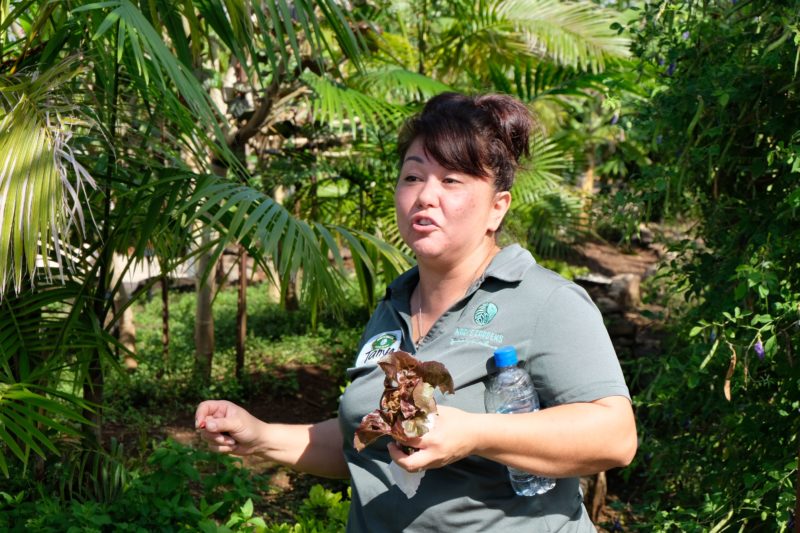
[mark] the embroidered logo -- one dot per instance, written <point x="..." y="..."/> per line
<point x="376" y="347"/>
<point x="383" y="341"/>
<point x="485" y="313"/>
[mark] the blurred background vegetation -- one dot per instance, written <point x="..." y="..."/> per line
<point x="151" y="150"/>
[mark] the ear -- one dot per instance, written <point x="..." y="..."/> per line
<point x="500" y="206"/>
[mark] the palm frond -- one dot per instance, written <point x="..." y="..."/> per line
<point x="241" y="213"/>
<point x="391" y="48"/>
<point x="46" y="340"/>
<point x="231" y="21"/>
<point x="42" y="183"/>
<point x="374" y="259"/>
<point x="576" y="34"/>
<point x="401" y="83"/>
<point x="285" y="26"/>
<point x="271" y="233"/>
<point x="542" y="173"/>
<point x="476" y="41"/>
<point x="24" y="411"/>
<point x="150" y="58"/>
<point x="551" y="79"/>
<point x="341" y="106"/>
<point x="556" y="222"/>
<point x="543" y="199"/>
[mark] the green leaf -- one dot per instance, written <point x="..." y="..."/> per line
<point x="247" y="508"/>
<point x="576" y="34"/>
<point x="771" y="346"/>
<point x="711" y="353"/>
<point x="37" y="206"/>
<point x="258" y="522"/>
<point x="339" y="106"/>
<point x="399" y="81"/>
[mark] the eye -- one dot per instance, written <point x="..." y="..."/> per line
<point x="410" y="178"/>
<point x="449" y="180"/>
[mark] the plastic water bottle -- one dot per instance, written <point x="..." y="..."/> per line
<point x="511" y="391"/>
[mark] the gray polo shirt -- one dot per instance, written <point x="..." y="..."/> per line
<point x="560" y="337"/>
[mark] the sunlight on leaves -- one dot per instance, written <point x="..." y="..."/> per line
<point x="42" y="184"/>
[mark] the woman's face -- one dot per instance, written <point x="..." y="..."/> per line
<point x="444" y="214"/>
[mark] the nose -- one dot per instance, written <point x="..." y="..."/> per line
<point x="429" y="193"/>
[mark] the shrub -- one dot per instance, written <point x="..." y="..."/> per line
<point x="180" y="488"/>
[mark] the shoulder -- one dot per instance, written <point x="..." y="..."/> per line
<point x="553" y="288"/>
<point x="527" y="283"/>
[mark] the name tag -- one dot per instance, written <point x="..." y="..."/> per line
<point x="378" y="346"/>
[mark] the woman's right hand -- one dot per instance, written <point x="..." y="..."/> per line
<point x="227" y="427"/>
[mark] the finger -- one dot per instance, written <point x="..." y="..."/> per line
<point x="214" y="439"/>
<point x="211" y="438"/>
<point x="221" y="439"/>
<point x="204" y="410"/>
<point x="222" y="449"/>
<point x="221" y="425"/>
<point x="414" y="443"/>
<point x="403" y="460"/>
<point x="395" y="452"/>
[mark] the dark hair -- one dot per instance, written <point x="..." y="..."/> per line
<point x="478" y="135"/>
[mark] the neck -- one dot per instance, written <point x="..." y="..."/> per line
<point x="440" y="288"/>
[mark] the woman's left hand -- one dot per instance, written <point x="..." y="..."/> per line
<point x="451" y="439"/>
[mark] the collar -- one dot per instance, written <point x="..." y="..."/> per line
<point x="509" y="265"/>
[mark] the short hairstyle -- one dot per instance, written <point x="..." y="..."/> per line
<point x="484" y="135"/>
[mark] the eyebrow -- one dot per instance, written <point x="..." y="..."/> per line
<point x="414" y="158"/>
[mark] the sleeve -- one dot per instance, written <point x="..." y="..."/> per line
<point x="571" y="358"/>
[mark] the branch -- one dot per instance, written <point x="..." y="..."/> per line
<point x="265" y="103"/>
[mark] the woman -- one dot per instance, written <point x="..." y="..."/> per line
<point x="465" y="298"/>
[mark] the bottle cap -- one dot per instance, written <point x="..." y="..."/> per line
<point x="505" y="356"/>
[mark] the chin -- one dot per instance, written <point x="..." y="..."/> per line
<point x="429" y="247"/>
<point x="427" y="252"/>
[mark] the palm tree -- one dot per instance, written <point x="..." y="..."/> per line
<point x="119" y="183"/>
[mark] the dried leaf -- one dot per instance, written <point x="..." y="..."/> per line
<point x="372" y="426"/>
<point x="408" y="409"/>
<point x="407" y="400"/>
<point x="423" y="397"/>
<point x="726" y="389"/>
<point x="435" y="373"/>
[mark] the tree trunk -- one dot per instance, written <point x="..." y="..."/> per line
<point x="204" y="315"/>
<point x="126" y="330"/>
<point x="797" y="498"/>
<point x="290" y="299"/>
<point x="165" y="321"/>
<point x="220" y="274"/>
<point x="422" y="44"/>
<point x="237" y="141"/>
<point x="93" y="382"/>
<point x="595" y="496"/>
<point x="241" y="313"/>
<point x="587" y="188"/>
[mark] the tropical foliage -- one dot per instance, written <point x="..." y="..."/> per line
<point x="138" y="120"/>
<point x="722" y="128"/>
<point x="164" y="133"/>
